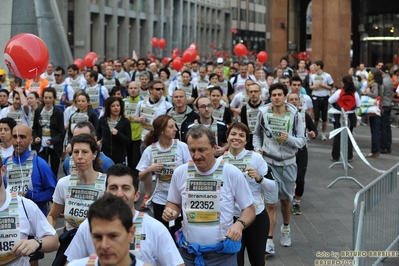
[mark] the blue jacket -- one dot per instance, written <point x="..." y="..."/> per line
<point x="43" y="180"/>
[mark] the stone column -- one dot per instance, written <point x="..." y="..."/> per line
<point x="98" y="31"/>
<point x="111" y="41"/>
<point x="123" y="33"/>
<point x="81" y="27"/>
<point x="331" y="36"/>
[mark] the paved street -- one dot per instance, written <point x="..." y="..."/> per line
<point x="326" y="222"/>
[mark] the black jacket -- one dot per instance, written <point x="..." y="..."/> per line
<point x="114" y="146"/>
<point x="189" y="118"/>
<point x="57" y="130"/>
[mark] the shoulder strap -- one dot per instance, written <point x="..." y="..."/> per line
<point x="23" y="205"/>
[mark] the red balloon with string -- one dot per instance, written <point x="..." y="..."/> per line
<point x="26" y="55"/>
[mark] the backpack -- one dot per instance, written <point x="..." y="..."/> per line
<point x="346" y="101"/>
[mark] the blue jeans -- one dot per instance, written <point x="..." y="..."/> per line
<point x="386" y="132"/>
<point x="375" y="122"/>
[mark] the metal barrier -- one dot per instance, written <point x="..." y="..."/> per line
<point x="376" y="219"/>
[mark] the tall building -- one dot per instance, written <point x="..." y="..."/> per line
<point x="114" y="28"/>
<point x="249" y="23"/>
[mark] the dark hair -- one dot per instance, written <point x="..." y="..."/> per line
<point x="377" y="76"/>
<point x="348" y="86"/>
<point x="51" y="90"/>
<point x="88" y="124"/>
<point x="295" y="78"/>
<point x="319" y="63"/>
<point x="5" y="91"/>
<point x="216" y="88"/>
<point x="167" y="72"/>
<point x="17" y="80"/>
<point x="14" y="92"/>
<point x="93" y="74"/>
<point x="98" y="67"/>
<point x="142" y="59"/>
<point x="110" y="207"/>
<point x="9" y="121"/>
<point x="198" y="131"/>
<point x="280" y="86"/>
<point x="187" y="72"/>
<point x="284" y="77"/>
<point x="73" y="67"/>
<point x="241" y="126"/>
<point x="213" y="75"/>
<point x="107" y="106"/>
<point x="81" y="93"/>
<point x="115" y="89"/>
<point x="251" y="63"/>
<point x="121" y="170"/>
<point x="200" y="97"/>
<point x="283" y="58"/>
<point x="34" y="93"/>
<point x="159" y="124"/>
<point x="379" y="61"/>
<point x="90" y="140"/>
<point x="60" y="69"/>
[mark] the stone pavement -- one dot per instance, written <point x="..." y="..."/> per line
<point x="326" y="222"/>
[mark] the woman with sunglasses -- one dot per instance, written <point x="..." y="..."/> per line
<point x="114" y="130"/>
<point x="48" y="130"/>
<point x="255" y="171"/>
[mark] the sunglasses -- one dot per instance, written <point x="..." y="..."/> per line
<point x="57" y="75"/>
<point x="158" y="89"/>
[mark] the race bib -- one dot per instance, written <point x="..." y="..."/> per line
<point x="19" y="176"/>
<point x="9" y="230"/>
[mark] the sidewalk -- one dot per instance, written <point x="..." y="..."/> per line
<point x="326" y="222"/>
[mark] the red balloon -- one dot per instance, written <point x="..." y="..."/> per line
<point x="90" y="59"/>
<point x="154" y="42"/>
<point x="194" y="46"/>
<point x="189" y="55"/>
<point x="26" y="56"/>
<point x="240" y="49"/>
<point x="166" y="60"/>
<point x="262" y="56"/>
<point x="79" y="63"/>
<point x="162" y="43"/>
<point x="177" y="63"/>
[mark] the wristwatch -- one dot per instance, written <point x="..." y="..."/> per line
<point x="242" y="222"/>
<point x="39" y="240"/>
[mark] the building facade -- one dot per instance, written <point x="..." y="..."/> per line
<point x="249" y="23"/>
<point x="114" y="28"/>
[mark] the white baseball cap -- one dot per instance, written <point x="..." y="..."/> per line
<point x="219" y="60"/>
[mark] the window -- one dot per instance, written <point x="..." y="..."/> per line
<point x="234" y="13"/>
<point x="243" y="14"/>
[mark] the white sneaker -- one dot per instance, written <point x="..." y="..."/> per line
<point x="270" y="246"/>
<point x="323" y="137"/>
<point x="285" y="236"/>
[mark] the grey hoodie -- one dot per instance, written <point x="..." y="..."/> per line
<point x="273" y="152"/>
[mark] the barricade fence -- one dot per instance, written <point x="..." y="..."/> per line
<point x="376" y="220"/>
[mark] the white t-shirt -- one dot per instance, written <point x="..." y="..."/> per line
<point x="84" y="261"/>
<point x="158" y="246"/>
<point x="69" y="90"/>
<point x="235" y="190"/>
<point x="259" y="164"/>
<point x="237" y="101"/>
<point x="162" y="106"/>
<point x="60" y="193"/>
<point x="6" y="152"/>
<point x="183" y="156"/>
<point x="239" y="86"/>
<point x="25" y="118"/>
<point x="77" y="83"/>
<point x="36" y="225"/>
<point x="68" y="112"/>
<point x="323" y="78"/>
